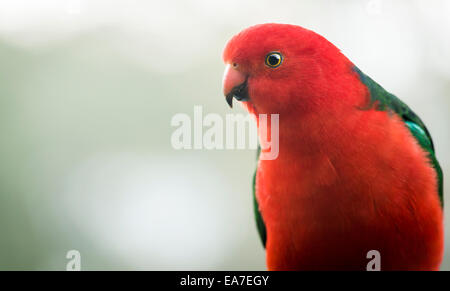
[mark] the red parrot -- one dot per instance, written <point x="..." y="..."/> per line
<point x="356" y="169"/>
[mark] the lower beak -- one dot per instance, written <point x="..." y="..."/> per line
<point x="234" y="85"/>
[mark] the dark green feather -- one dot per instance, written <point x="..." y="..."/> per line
<point x="382" y="100"/>
<point x="258" y="218"/>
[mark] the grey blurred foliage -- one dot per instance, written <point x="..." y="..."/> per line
<point x="87" y="92"/>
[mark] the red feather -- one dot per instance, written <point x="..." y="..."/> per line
<point x="346" y="180"/>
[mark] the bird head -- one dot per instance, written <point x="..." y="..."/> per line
<point x="281" y="68"/>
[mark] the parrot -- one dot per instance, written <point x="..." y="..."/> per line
<point x="356" y="169"/>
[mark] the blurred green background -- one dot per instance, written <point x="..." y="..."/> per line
<point x="87" y="93"/>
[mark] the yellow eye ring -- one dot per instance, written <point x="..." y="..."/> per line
<point x="274" y="59"/>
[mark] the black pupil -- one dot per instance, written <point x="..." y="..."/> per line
<point x="274" y="60"/>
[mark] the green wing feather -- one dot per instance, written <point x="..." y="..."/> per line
<point x="258" y="218"/>
<point x="382" y="100"/>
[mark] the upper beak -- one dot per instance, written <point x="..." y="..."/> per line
<point x="234" y="85"/>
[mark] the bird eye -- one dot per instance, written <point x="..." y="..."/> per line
<point x="274" y="59"/>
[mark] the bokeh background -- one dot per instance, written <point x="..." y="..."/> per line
<point x="87" y="92"/>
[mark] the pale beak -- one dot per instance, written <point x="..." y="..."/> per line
<point x="234" y="85"/>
